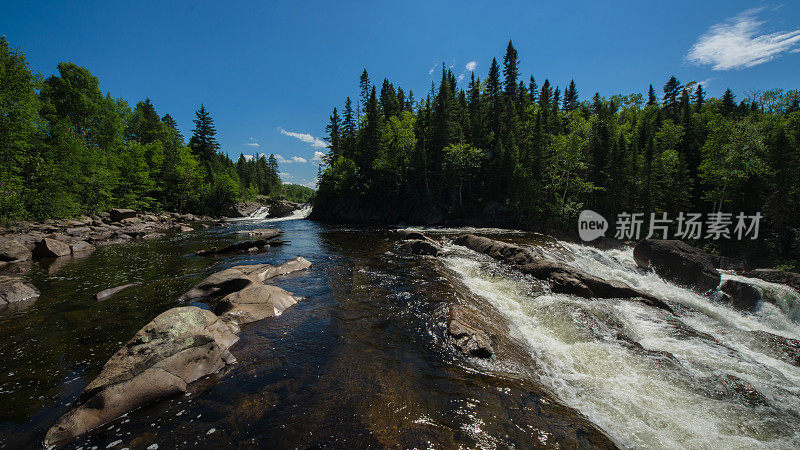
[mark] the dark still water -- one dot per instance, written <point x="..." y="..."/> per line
<point x="362" y="361"/>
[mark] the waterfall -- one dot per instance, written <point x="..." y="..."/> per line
<point x="705" y="378"/>
<point x="260" y="213"/>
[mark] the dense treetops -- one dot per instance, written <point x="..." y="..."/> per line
<point x="66" y="149"/>
<point x="500" y="144"/>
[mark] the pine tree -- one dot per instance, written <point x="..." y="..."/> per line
<point x="728" y="103"/>
<point x="571" y="97"/>
<point x="333" y="130"/>
<point x="533" y="88"/>
<point x="699" y="97"/>
<point x="510" y="70"/>
<point x="203" y="142"/>
<point x="348" y="130"/>
<point x="364" y="85"/>
<point x="671" y="92"/>
<point x="651" y="96"/>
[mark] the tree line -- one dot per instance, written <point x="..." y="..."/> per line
<point x="506" y="145"/>
<point x="67" y="149"/>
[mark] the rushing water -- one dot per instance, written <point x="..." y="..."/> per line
<point x="364" y="360"/>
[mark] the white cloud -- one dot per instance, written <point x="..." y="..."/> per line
<point x="736" y="44"/>
<point x="471" y="66"/>
<point x="317" y="159"/>
<point x="284" y="175"/>
<point x="430" y="71"/>
<point x="293" y="159"/>
<point x="253" y="142"/>
<point x="248" y="157"/>
<point x="311" y="184"/>
<point x="298" y="159"/>
<point x="305" y="137"/>
<point x="282" y="160"/>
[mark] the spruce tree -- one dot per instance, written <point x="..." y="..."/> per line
<point x="334" y="134"/>
<point x="699" y="97"/>
<point x="571" y="97"/>
<point x="671" y="92"/>
<point x="728" y="103"/>
<point x="651" y="96"/>
<point x="364" y="86"/>
<point x="204" y="142"/>
<point x="510" y="70"/>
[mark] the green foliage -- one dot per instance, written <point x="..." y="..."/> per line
<point x="68" y="150"/>
<point x="458" y="153"/>
<point x="297" y="193"/>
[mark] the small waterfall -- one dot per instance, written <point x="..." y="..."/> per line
<point x="260" y="213"/>
<point x="702" y="379"/>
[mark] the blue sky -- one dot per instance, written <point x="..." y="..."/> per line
<point x="270" y="72"/>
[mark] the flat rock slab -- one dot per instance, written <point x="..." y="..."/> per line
<point x="464" y="328"/>
<point x="263" y="233"/>
<point x="177" y="348"/>
<point x="13" y="250"/>
<point x="16" y="289"/>
<point x="50" y="248"/>
<point x="776" y="276"/>
<point x="106" y="293"/>
<point x="246" y="246"/>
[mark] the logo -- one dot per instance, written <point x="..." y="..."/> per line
<point x="591" y="225"/>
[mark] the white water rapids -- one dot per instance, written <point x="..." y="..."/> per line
<point x="648" y="378"/>
<point x="262" y="215"/>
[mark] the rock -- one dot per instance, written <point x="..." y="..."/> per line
<point x="178" y="347"/>
<point x="775" y="276"/>
<point x="240" y="277"/>
<point x="562" y="278"/>
<point x="241" y="209"/>
<point x="421" y="247"/>
<point x="727" y="263"/>
<point x="678" y="262"/>
<point x="785" y="348"/>
<point x="263" y="233"/>
<point x="254" y="303"/>
<point x="106" y="293"/>
<point x="467" y="338"/>
<point x="499" y="250"/>
<point x="50" y="248"/>
<point x="130" y="221"/>
<point x="118" y="214"/>
<point x="152" y="235"/>
<point x="184" y="228"/>
<point x="245" y="246"/>
<point x="282" y="208"/>
<point x="742" y="295"/>
<point x="406" y="234"/>
<point x="12" y="250"/>
<point x="16" y="289"/>
<point x="81" y="247"/>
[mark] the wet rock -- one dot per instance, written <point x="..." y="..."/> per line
<point x="255" y="303"/>
<point x="16" y="289"/>
<point x="263" y="233"/>
<point x="106" y="293"/>
<point x="468" y="338"/>
<point x="119" y="214"/>
<point x="499" y="250"/>
<point x="81" y="247"/>
<point x="282" y="208"/>
<point x="776" y="276"/>
<point x="784" y="348"/>
<point x="678" y="262"/>
<point x="562" y="278"/>
<point x="243" y="209"/>
<point x="726" y="387"/>
<point x="184" y="228"/>
<point x="421" y="247"/>
<point x="728" y="263"/>
<point x="741" y="295"/>
<point x="240" y="277"/>
<point x="12" y="250"/>
<point x="152" y="235"/>
<point x="50" y="248"/>
<point x="410" y="235"/>
<point x="242" y="247"/>
<point x="178" y="347"/>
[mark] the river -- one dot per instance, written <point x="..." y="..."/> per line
<point x="363" y="360"/>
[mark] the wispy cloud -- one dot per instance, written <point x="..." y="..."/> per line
<point x="293" y="159"/>
<point x="737" y="44"/>
<point x="430" y="71"/>
<point x="253" y="142"/>
<point x="305" y="137"/>
<point x="318" y="157"/>
<point x="469" y="67"/>
<point x="284" y="175"/>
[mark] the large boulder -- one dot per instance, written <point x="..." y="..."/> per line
<point x="244" y="209"/>
<point x="499" y="250"/>
<point x="50" y="248"/>
<point x="740" y="295"/>
<point x="177" y="348"/>
<point x="15" y="289"/>
<point x="283" y="208"/>
<point x="255" y="303"/>
<point x="678" y="262"/>
<point x="13" y="250"/>
<point x="119" y="214"/>
<point x="467" y="336"/>
<point x="776" y="276"/>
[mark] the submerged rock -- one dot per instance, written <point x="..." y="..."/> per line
<point x="177" y="348"/>
<point x="740" y="295"/>
<point x="463" y="327"/>
<point x="421" y="247"/>
<point x="678" y="262"/>
<point x="263" y="233"/>
<point x="16" y="289"/>
<point x="50" y="248"/>
<point x="11" y="250"/>
<point x="106" y="293"/>
<point x="776" y="276"/>
<point x="245" y="246"/>
<point x="562" y="278"/>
